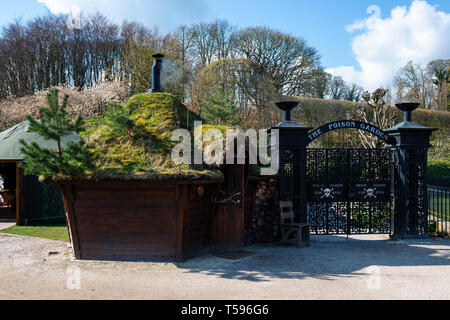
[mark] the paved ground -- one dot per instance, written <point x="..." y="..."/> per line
<point x="7" y="218"/>
<point x="368" y="267"/>
<point x="5" y="224"/>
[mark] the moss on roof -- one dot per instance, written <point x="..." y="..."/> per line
<point x="133" y="142"/>
<point x="168" y="176"/>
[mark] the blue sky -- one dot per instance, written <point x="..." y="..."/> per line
<point x="322" y="23"/>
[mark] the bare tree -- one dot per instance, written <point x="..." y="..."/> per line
<point x="225" y="37"/>
<point x="320" y="84"/>
<point x="46" y="52"/>
<point x="204" y="42"/>
<point x="376" y="112"/>
<point x="137" y="59"/>
<point x="240" y="80"/>
<point x="413" y="85"/>
<point x="183" y="47"/>
<point x="19" y="59"/>
<point x="439" y="71"/>
<point x="289" y="61"/>
<point x="184" y="44"/>
<point x="338" y="88"/>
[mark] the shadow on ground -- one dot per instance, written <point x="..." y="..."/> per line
<point x="7" y="215"/>
<point x="328" y="258"/>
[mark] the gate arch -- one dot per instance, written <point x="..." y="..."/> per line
<point x="393" y="179"/>
<point x="349" y="191"/>
<point x="348" y="124"/>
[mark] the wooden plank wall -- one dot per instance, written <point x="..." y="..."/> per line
<point x="129" y="222"/>
<point x="198" y="218"/>
<point x="135" y="221"/>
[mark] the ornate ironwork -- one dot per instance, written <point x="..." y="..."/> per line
<point x="394" y="195"/>
<point x="290" y="171"/>
<point x="290" y="185"/>
<point x="350" y="190"/>
<point x="357" y="190"/>
<point x="416" y="190"/>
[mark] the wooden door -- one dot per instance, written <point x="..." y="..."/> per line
<point x="228" y="223"/>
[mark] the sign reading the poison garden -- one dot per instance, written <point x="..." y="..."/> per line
<point x="328" y="192"/>
<point x="348" y="124"/>
<point x="372" y="191"/>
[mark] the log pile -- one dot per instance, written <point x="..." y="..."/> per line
<point x="265" y="222"/>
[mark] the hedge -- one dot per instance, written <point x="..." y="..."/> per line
<point x="315" y="112"/>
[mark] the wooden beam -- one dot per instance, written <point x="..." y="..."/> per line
<point x="17" y="196"/>
<point x="20" y="200"/>
<point x="68" y="193"/>
<point x="182" y="191"/>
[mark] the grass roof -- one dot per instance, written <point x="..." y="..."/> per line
<point x="133" y="142"/>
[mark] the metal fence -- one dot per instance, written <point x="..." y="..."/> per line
<point x="439" y="210"/>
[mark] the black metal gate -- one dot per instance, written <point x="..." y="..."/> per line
<point x="350" y="191"/>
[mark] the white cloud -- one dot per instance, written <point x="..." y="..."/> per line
<point x="167" y="14"/>
<point x="419" y="33"/>
<point x="375" y="12"/>
<point x="64" y="6"/>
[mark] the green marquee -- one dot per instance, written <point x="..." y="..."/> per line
<point x="10" y="146"/>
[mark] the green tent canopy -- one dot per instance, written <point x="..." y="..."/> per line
<point x="10" y="146"/>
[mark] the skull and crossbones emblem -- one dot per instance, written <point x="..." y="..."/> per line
<point x="370" y="193"/>
<point x="327" y="193"/>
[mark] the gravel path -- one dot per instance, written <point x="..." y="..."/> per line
<point x="363" y="267"/>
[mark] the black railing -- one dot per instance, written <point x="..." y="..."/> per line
<point x="439" y="210"/>
<point x="441" y="181"/>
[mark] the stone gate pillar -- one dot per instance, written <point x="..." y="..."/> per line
<point x="411" y="142"/>
<point x="292" y="173"/>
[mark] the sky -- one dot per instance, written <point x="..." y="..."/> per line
<point x="364" y="41"/>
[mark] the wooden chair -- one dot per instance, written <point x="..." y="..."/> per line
<point x="289" y="227"/>
<point x="8" y="199"/>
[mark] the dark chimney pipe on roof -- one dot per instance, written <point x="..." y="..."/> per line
<point x="156" y="73"/>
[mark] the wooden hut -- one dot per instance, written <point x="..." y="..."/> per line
<point x="139" y="220"/>
<point x="170" y="219"/>
<point x="158" y="220"/>
<point x="138" y="205"/>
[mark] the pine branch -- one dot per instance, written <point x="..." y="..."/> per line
<point x="74" y="159"/>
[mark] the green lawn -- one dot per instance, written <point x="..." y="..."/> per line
<point x="53" y="232"/>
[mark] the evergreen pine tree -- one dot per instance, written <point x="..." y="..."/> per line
<point x="219" y="109"/>
<point x="71" y="160"/>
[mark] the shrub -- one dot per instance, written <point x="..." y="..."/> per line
<point x="86" y="103"/>
<point x="438" y="168"/>
<point x="432" y="227"/>
<point x="315" y="112"/>
<point x="439" y="172"/>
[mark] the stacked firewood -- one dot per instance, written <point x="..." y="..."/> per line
<point x="265" y="222"/>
